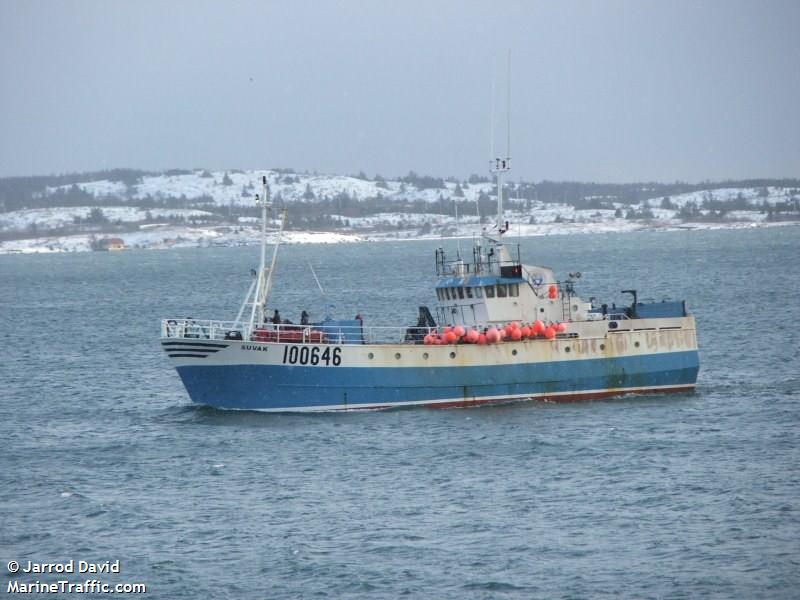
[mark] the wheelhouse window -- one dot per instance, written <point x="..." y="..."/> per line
<point x="460" y="293"/>
<point x="489" y="289"/>
<point x="513" y="290"/>
<point x="468" y="291"/>
<point x="479" y="292"/>
<point x="502" y="291"/>
<point x="439" y="294"/>
<point x="446" y="292"/>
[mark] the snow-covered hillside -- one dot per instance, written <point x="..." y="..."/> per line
<point x="162" y="238"/>
<point x="227" y="188"/>
<point x="215" y="208"/>
<point x="59" y="217"/>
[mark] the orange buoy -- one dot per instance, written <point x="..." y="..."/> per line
<point x="550" y="332"/>
<point x="516" y="335"/>
<point x="538" y="327"/>
<point x="472" y="336"/>
<point x="481" y="339"/>
<point x="492" y="336"/>
<point x="450" y="337"/>
<point x="526" y="332"/>
<point x="561" y="327"/>
<point x="459" y="331"/>
<point x="447" y="330"/>
<point x="427" y="340"/>
<point x="552" y="292"/>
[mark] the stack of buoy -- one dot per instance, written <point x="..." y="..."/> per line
<point x="512" y="332"/>
<point x="538" y="328"/>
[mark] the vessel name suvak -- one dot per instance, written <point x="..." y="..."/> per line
<point x="257" y="348"/>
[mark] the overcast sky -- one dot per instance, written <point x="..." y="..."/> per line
<point x="600" y="91"/>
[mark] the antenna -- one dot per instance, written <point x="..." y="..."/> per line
<point x="458" y="229"/>
<point x="500" y="165"/>
<point x="508" y="106"/>
<point x="478" y="208"/>
<point x="491" y="129"/>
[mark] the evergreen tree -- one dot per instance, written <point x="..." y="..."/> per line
<point x="96" y="217"/>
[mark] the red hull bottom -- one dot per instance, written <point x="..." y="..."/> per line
<point x="550" y="399"/>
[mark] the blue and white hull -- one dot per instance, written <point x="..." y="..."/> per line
<point x="644" y="355"/>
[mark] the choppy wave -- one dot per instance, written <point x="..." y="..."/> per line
<point x="690" y="495"/>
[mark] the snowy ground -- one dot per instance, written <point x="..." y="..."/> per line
<point x="164" y="236"/>
<point x="157" y="228"/>
<point x="58" y="217"/>
<point x="227" y="188"/>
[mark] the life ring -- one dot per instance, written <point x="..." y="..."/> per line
<point x="552" y="292"/>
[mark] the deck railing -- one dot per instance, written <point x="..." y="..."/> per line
<point x="205" y="329"/>
<point x="233" y="330"/>
<point x="200" y="328"/>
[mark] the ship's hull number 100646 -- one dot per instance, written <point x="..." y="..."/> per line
<point x="312" y="355"/>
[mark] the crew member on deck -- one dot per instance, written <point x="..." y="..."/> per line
<point x="276" y="318"/>
<point x="304" y="318"/>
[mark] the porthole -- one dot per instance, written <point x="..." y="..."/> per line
<point x="613" y="324"/>
<point x="541" y="310"/>
<point x="602" y="346"/>
<point x="636" y="344"/>
<point x="397" y="355"/>
<point x="574" y="308"/>
<point x="514" y="352"/>
<point x="452" y="355"/>
<point x="370" y="356"/>
<point x="567" y="349"/>
<point x="425" y="355"/>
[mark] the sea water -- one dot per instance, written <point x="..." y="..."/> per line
<point x="104" y="458"/>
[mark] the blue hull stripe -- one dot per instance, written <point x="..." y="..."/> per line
<point x="267" y="387"/>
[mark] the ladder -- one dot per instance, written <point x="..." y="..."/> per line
<point x="566" y="305"/>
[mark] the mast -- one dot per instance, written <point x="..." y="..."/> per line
<point x="258" y="307"/>
<point x="499" y="165"/>
<point x="268" y="285"/>
<point x="263" y="283"/>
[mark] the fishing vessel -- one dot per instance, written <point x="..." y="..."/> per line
<point x="500" y="331"/>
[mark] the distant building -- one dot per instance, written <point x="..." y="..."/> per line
<point x="111" y="244"/>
